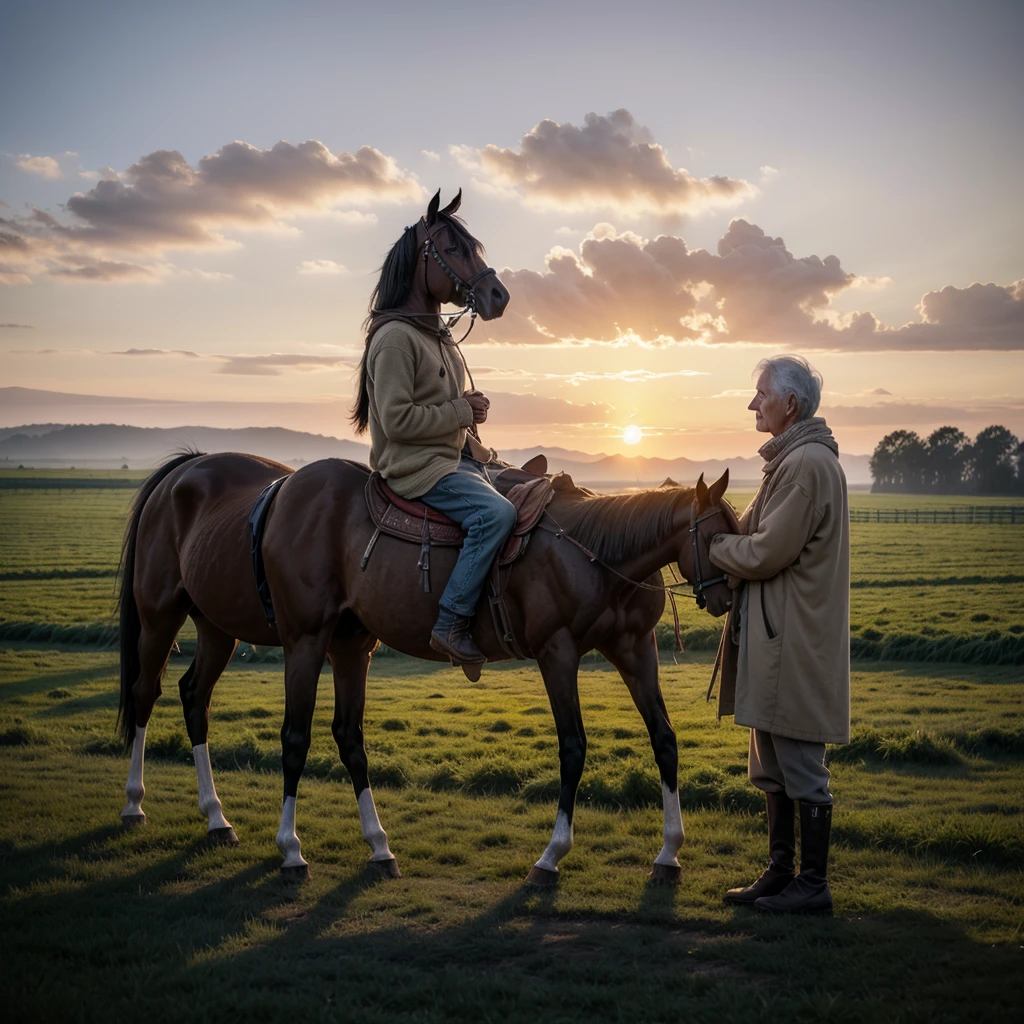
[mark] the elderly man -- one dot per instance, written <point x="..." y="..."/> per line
<point x="785" y="652"/>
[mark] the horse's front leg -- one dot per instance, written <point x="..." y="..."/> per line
<point x="559" y="665"/>
<point x="636" y="658"/>
<point x="350" y="660"/>
<point x="303" y="660"/>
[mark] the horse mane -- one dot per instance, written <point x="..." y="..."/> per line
<point x="392" y="291"/>
<point x="619" y="527"/>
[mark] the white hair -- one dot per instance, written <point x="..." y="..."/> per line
<point x="793" y="375"/>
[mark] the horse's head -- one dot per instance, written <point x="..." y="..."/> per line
<point x="455" y="270"/>
<point x="709" y="515"/>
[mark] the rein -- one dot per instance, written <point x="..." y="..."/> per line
<point x="669" y="589"/>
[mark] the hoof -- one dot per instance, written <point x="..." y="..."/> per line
<point x="665" y="874"/>
<point x="129" y="820"/>
<point x="222" y="837"/>
<point x="385" y="868"/>
<point x="295" y="873"/>
<point x="472" y="670"/>
<point x="541" y="878"/>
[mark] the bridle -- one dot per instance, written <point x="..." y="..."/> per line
<point x="700" y="584"/>
<point x="466" y="288"/>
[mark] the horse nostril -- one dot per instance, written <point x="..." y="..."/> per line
<point x="497" y="297"/>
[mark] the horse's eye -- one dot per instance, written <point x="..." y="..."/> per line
<point x="451" y="250"/>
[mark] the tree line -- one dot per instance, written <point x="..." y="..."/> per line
<point x="949" y="462"/>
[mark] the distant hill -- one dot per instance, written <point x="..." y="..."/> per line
<point x="110" y="445"/>
<point x="107" y="444"/>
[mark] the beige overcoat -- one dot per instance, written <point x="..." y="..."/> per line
<point x="785" y="655"/>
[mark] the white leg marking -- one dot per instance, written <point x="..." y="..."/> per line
<point x="673" y="827"/>
<point x="209" y="802"/>
<point x="287" y="840"/>
<point x="560" y="845"/>
<point x="373" y="833"/>
<point x="134" y="789"/>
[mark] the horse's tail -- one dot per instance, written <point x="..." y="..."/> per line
<point x="128" y="611"/>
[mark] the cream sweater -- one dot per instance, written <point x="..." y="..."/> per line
<point x="418" y="418"/>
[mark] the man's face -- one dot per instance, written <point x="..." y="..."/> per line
<point x="772" y="414"/>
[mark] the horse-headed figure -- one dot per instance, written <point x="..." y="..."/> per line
<point x="412" y="397"/>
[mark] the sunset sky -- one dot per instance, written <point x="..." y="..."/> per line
<point x="194" y="199"/>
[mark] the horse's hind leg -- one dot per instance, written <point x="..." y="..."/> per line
<point x="559" y="665"/>
<point x="350" y="660"/>
<point x="158" y="632"/>
<point x="304" y="658"/>
<point x="213" y="652"/>
<point x="637" y="662"/>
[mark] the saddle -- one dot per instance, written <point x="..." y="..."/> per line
<point x="418" y="523"/>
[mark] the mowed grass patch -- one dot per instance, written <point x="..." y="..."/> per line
<point x="102" y="922"/>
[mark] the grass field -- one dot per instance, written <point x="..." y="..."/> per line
<point x="926" y="867"/>
<point x="99" y="923"/>
<point x="59" y="552"/>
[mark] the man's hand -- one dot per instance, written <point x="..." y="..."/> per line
<point x="479" y="403"/>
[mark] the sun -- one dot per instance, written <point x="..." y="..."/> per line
<point x="632" y="434"/>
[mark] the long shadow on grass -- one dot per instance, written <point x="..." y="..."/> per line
<point x="80" y="705"/>
<point x="245" y="945"/>
<point x="54" y="680"/>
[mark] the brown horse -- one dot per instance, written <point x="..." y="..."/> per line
<point x="187" y="554"/>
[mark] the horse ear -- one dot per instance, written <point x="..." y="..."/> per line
<point x="454" y="205"/>
<point x="538" y="465"/>
<point x="432" y="209"/>
<point x="701" y="491"/>
<point x="717" y="490"/>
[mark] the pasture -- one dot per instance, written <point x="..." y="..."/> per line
<point x="104" y="923"/>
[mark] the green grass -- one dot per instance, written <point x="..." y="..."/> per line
<point x="59" y="550"/>
<point x="102" y="923"/>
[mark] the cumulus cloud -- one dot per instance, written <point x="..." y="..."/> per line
<point x="617" y="284"/>
<point x="431" y="155"/>
<point x="41" y="166"/>
<point x="619" y="287"/>
<point x="610" y="162"/>
<point x="322" y="267"/>
<point x="162" y="202"/>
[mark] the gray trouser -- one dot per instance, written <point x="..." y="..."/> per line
<point x="778" y="764"/>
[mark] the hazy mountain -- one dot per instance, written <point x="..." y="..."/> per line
<point x="47" y="439"/>
<point x="103" y="445"/>
<point x="107" y="444"/>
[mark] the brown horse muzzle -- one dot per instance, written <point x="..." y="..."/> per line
<point x="491" y="298"/>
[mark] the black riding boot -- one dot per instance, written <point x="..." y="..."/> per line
<point x="782" y="848"/>
<point x="808" y="893"/>
<point x="451" y="636"/>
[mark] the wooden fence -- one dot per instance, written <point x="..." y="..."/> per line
<point x="995" y="515"/>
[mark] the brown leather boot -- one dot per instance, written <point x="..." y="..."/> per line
<point x="453" y="638"/>
<point x="808" y="893"/>
<point x="782" y="849"/>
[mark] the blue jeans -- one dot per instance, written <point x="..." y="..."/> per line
<point x="468" y="497"/>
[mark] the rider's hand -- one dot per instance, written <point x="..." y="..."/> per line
<point x="479" y="403"/>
